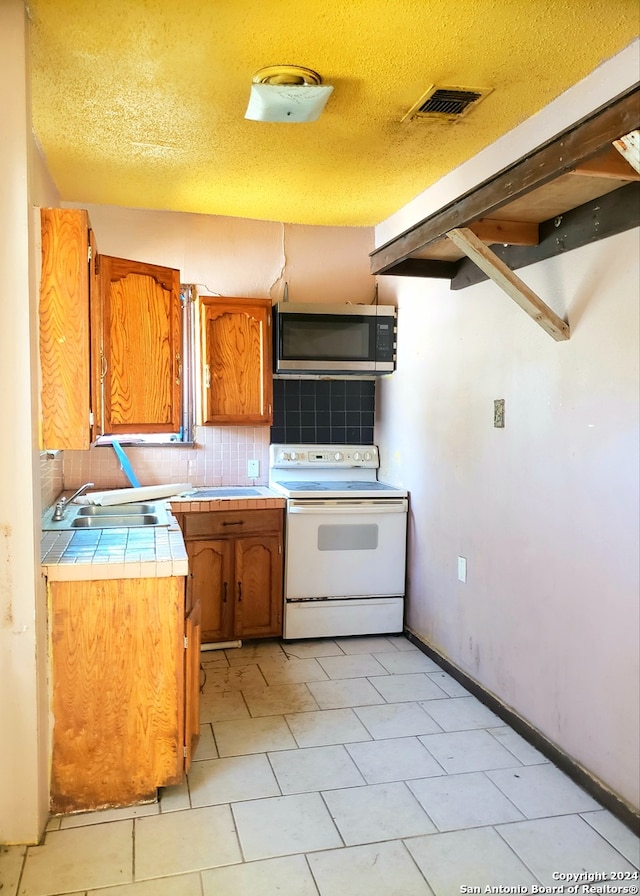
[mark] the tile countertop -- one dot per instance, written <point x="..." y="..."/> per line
<point x="123" y="553"/>
<point x="264" y="499"/>
<point x="129" y="553"/>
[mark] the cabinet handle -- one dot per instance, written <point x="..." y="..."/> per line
<point x="233" y="523"/>
<point x="207" y="376"/>
<point x="224" y="594"/>
<point x="178" y="369"/>
<point x="239" y="592"/>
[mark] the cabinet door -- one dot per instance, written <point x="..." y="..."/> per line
<point x="237" y="381"/>
<point x="210" y="584"/>
<point x="97" y="348"/>
<point x="142" y="346"/>
<point x="117" y="655"/>
<point x="258" y="586"/>
<point x="65" y="355"/>
<point x="192" y="630"/>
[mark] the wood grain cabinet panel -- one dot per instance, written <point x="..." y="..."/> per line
<point x="210" y="582"/>
<point x="235" y="345"/>
<point x="258" y="584"/>
<point x="70" y="411"/>
<point x="125" y="690"/>
<point x="193" y="629"/>
<point x="142" y="346"/>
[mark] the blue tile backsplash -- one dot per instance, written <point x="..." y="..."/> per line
<point x="323" y="412"/>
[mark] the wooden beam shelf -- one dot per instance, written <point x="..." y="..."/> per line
<point x="557" y="177"/>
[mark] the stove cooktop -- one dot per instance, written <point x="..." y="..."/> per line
<point x="338" y="488"/>
<point x="328" y="471"/>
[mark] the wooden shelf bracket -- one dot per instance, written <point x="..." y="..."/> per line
<point x="514" y="287"/>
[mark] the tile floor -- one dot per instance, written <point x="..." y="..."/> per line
<point x="337" y="768"/>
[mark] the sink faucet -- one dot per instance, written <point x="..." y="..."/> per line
<point x="61" y="506"/>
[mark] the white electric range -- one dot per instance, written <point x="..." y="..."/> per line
<point x="345" y="545"/>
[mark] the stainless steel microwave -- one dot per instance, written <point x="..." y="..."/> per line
<point x="334" y="339"/>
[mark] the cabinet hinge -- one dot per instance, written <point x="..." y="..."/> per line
<point x="91" y="418"/>
<point x="184" y="752"/>
<point x="186" y="642"/>
<point x="279" y="548"/>
<point x="89" y="254"/>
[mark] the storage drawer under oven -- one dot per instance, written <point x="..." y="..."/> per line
<point x="338" y="618"/>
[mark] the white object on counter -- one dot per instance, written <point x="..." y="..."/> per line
<point x="127" y="495"/>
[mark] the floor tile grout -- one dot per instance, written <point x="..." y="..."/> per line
<point x="490" y="807"/>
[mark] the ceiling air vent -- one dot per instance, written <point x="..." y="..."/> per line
<point x="447" y="103"/>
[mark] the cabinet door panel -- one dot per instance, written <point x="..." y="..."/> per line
<point x="210" y="584"/>
<point x="258" y="583"/>
<point x="97" y="348"/>
<point x="236" y="357"/>
<point x="117" y="669"/>
<point x="192" y="684"/>
<point x="142" y="346"/>
<point x="64" y="328"/>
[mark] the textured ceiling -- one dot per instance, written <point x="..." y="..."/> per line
<point x="141" y="102"/>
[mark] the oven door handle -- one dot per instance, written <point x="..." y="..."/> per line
<point x="374" y="506"/>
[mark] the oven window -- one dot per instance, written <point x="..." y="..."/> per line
<point x="306" y="339"/>
<point x="338" y="537"/>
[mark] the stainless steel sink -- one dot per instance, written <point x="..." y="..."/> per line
<point x="115" y="520"/>
<point x="98" y="516"/>
<point x="117" y="510"/>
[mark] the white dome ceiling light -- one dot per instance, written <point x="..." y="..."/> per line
<point x="287" y="93"/>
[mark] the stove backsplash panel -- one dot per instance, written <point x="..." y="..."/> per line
<point x="323" y="412"/>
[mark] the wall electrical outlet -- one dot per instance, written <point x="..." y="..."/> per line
<point x="498" y="413"/>
<point x="253" y="469"/>
<point x="462" y="569"/>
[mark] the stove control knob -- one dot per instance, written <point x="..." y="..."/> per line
<point x="357" y="455"/>
<point x="293" y="455"/>
<point x="284" y="455"/>
<point x="338" y="455"/>
<point x="367" y="455"/>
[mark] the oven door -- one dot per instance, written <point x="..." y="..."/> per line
<point x="348" y="548"/>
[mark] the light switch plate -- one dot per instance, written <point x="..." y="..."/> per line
<point x="253" y="469"/>
<point x="498" y="413"/>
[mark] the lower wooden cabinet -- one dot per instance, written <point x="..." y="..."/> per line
<point x="125" y="690"/>
<point x="236" y="572"/>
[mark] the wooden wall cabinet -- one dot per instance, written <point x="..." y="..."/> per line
<point x="142" y="346"/>
<point x="125" y="682"/>
<point x="236" y="367"/>
<point x="69" y="339"/>
<point x="236" y="572"/>
<point x="110" y="339"/>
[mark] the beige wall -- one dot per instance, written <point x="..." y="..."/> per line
<point x="24" y="787"/>
<point x="545" y="510"/>
<point x="240" y="257"/>
<point x="229" y="257"/>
